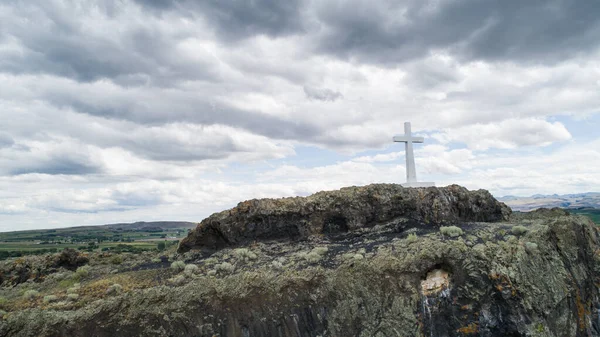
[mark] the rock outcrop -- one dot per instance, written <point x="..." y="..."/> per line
<point x="340" y="211"/>
<point x="388" y="271"/>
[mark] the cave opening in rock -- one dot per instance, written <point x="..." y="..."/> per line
<point x="335" y="224"/>
<point x="437" y="279"/>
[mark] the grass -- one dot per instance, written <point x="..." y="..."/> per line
<point x="592" y="213"/>
<point x="36" y="247"/>
<point x="109" y="236"/>
<point x="30" y="246"/>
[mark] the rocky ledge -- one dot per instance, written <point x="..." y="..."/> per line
<point x="340" y="211"/>
<point x="378" y="260"/>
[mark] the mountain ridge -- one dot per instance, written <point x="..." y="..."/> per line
<point x="568" y="201"/>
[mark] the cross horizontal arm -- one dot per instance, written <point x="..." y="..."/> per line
<point x="405" y="139"/>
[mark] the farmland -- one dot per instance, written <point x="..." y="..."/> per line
<point x="592" y="213"/>
<point x="130" y="237"/>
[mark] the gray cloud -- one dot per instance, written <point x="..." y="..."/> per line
<point x="431" y="73"/>
<point x="140" y="54"/>
<point x="54" y="166"/>
<point x="393" y="32"/>
<point x="48" y="155"/>
<point x="239" y="19"/>
<point x="385" y="32"/>
<point x="136" y="199"/>
<point x="185" y="107"/>
<point x="5" y="140"/>
<point x="321" y="94"/>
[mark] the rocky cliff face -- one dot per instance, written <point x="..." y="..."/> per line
<point x="365" y="261"/>
<point x="334" y="212"/>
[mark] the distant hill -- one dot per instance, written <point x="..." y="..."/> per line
<point x="134" y="226"/>
<point x="135" y="236"/>
<point x="142" y="225"/>
<point x="568" y="201"/>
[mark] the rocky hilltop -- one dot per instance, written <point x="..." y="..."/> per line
<point x="379" y="260"/>
<point x="347" y="209"/>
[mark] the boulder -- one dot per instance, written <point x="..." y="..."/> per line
<point x="340" y="211"/>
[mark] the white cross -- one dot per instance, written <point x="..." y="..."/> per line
<point x="411" y="172"/>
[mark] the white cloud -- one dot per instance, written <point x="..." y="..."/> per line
<point x="384" y="157"/>
<point x="507" y="134"/>
<point x="110" y="113"/>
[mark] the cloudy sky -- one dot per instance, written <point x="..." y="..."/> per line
<point x="122" y="110"/>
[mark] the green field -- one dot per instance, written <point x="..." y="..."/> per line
<point x="128" y="237"/>
<point x="593" y="213"/>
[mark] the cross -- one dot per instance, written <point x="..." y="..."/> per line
<point x="411" y="172"/>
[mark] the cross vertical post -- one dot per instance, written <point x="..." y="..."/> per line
<point x="411" y="172"/>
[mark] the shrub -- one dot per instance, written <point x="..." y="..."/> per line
<point x="244" y="254"/>
<point x="358" y="256"/>
<point x="320" y="250"/>
<point x="313" y="257"/>
<point x="348" y="256"/>
<point x="224" y="267"/>
<point x="50" y="298"/>
<point x="211" y="260"/>
<point x="178" y="265"/>
<point x="73" y="290"/>
<point x="117" y="259"/>
<point x="114" y="289"/>
<point x="277" y="265"/>
<point x="451" y="231"/>
<point x="412" y="237"/>
<point x="31" y="294"/>
<point x="531" y="247"/>
<point x="60" y="276"/>
<point x="70" y="259"/>
<point x="519" y="230"/>
<point x="82" y="272"/>
<point x="161" y="246"/>
<point x="190" y="269"/>
<point x="68" y="283"/>
<point x="156" y="260"/>
<point x="177" y="280"/>
<point x="72" y="297"/>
